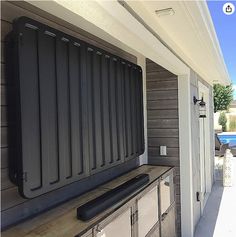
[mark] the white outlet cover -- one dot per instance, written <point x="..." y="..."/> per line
<point x="163" y="151"/>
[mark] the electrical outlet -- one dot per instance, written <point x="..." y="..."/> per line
<point x="163" y="151"/>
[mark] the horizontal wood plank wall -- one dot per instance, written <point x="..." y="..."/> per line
<point x="14" y="208"/>
<point x="163" y="123"/>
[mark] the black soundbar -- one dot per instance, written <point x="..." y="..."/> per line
<point x="101" y="203"/>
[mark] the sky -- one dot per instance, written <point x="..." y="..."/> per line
<point x="225" y="26"/>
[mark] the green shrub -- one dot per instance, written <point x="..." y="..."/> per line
<point x="223" y="121"/>
<point x="223" y="96"/>
<point x="232" y="123"/>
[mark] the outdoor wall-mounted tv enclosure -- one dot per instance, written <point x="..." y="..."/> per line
<point x="79" y="108"/>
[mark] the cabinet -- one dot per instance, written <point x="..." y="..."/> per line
<point x="138" y="217"/>
<point x="166" y="192"/>
<point x="150" y="213"/>
<point x="119" y="226"/>
<point x="168" y="223"/>
<point x="147" y="211"/>
<point x="167" y="206"/>
<point x="155" y="231"/>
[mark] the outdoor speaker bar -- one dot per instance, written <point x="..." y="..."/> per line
<point x="103" y="202"/>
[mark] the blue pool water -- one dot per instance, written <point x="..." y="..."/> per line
<point x="231" y="139"/>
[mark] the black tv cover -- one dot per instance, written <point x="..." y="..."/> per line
<point x="79" y="108"/>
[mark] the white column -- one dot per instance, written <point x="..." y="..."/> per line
<point x="186" y="188"/>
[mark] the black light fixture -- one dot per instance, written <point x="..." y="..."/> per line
<point x="202" y="106"/>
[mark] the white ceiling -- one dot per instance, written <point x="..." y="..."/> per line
<point x="189" y="32"/>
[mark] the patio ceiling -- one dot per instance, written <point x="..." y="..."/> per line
<point x="189" y="32"/>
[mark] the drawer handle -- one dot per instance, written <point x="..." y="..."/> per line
<point x="98" y="229"/>
<point x="163" y="216"/>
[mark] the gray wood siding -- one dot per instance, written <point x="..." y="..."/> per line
<point x="13" y="207"/>
<point x="163" y="123"/>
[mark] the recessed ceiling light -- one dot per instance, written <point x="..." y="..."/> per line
<point x="165" y="12"/>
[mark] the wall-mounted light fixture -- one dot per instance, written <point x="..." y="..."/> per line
<point x="165" y="12"/>
<point x="202" y="106"/>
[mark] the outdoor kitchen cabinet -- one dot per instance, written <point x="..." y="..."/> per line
<point x="151" y="213"/>
<point x="139" y="217"/>
<point x="167" y="206"/>
<point x="147" y="207"/>
<point x="147" y="212"/>
<point x="168" y="223"/>
<point x="116" y="226"/>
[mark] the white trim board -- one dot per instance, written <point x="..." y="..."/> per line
<point x="185" y="144"/>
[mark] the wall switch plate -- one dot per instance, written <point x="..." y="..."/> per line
<point x="163" y="151"/>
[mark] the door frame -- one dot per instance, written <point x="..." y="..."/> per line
<point x="185" y="153"/>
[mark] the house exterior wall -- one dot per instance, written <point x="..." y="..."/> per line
<point x="14" y="208"/>
<point x="11" y="201"/>
<point x="163" y="90"/>
<point x="163" y="123"/>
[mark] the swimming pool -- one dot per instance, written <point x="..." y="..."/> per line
<point x="228" y="138"/>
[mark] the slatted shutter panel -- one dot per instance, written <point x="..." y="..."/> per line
<point x="52" y="98"/>
<point x="133" y="110"/>
<point x="106" y="142"/>
<point x="140" y="113"/>
<point x="80" y="109"/>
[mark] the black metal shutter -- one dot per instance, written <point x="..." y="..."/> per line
<point x="80" y="109"/>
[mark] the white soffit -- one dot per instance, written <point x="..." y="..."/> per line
<point x="189" y="33"/>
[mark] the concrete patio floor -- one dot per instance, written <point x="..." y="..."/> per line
<point x="219" y="216"/>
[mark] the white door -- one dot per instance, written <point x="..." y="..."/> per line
<point x="147" y="212"/>
<point x="205" y="148"/>
<point x="120" y="226"/>
<point x="165" y="193"/>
